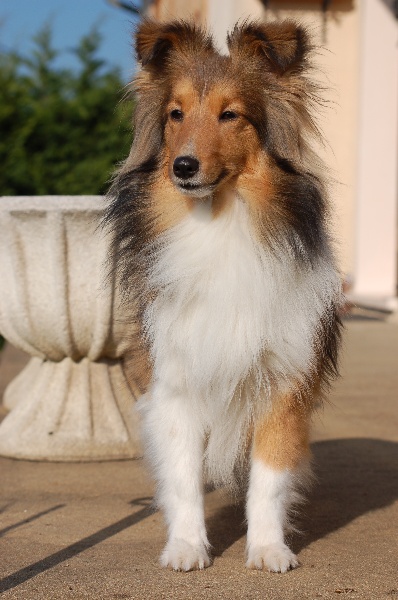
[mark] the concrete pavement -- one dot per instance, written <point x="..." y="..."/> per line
<point x="87" y="531"/>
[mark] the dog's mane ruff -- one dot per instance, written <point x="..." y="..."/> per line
<point x="127" y="219"/>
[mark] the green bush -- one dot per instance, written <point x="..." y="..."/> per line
<point x="61" y="131"/>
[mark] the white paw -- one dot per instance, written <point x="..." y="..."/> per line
<point x="183" y="556"/>
<point x="274" y="557"/>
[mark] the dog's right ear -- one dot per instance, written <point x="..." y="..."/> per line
<point x="155" y="41"/>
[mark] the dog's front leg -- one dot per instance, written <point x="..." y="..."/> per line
<point x="175" y="444"/>
<point x="278" y="465"/>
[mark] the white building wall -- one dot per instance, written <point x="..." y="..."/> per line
<point x="376" y="211"/>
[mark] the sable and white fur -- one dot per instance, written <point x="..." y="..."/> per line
<point x="221" y="241"/>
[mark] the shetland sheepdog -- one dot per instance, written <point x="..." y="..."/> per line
<point x="220" y="235"/>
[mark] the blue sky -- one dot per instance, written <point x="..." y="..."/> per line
<point x="70" y="20"/>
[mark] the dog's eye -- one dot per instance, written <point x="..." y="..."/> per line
<point x="177" y="115"/>
<point x="228" y="115"/>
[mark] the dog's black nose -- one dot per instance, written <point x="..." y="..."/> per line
<point x="185" y="167"/>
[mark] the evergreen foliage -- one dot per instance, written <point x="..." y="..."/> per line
<point x="61" y="131"/>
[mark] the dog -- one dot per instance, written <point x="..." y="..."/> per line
<point x="220" y="236"/>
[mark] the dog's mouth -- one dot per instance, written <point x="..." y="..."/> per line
<point x="199" y="190"/>
<point x="196" y="190"/>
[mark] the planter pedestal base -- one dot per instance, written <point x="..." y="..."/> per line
<point x="70" y="411"/>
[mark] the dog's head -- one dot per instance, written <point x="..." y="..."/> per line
<point x="209" y="115"/>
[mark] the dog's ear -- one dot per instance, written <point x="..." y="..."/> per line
<point x="283" y="45"/>
<point x="155" y="41"/>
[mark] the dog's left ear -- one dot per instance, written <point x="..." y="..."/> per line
<point x="282" y="45"/>
<point x="156" y="41"/>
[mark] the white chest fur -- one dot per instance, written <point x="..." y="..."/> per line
<point x="227" y="306"/>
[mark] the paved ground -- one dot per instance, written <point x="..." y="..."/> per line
<point x="86" y="531"/>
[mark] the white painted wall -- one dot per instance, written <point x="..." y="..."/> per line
<point x="376" y="210"/>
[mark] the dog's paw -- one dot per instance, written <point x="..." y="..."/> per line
<point x="274" y="557"/>
<point x="183" y="556"/>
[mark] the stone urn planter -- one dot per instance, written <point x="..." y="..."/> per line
<point x="72" y="401"/>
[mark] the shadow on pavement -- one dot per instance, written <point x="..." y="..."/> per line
<point x="56" y="558"/>
<point x="353" y="477"/>
<point x="226" y="527"/>
<point x="30" y="519"/>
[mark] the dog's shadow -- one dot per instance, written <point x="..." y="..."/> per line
<point x="225" y="527"/>
<point x="353" y="477"/>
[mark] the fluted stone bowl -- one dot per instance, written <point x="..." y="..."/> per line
<point x="72" y="401"/>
